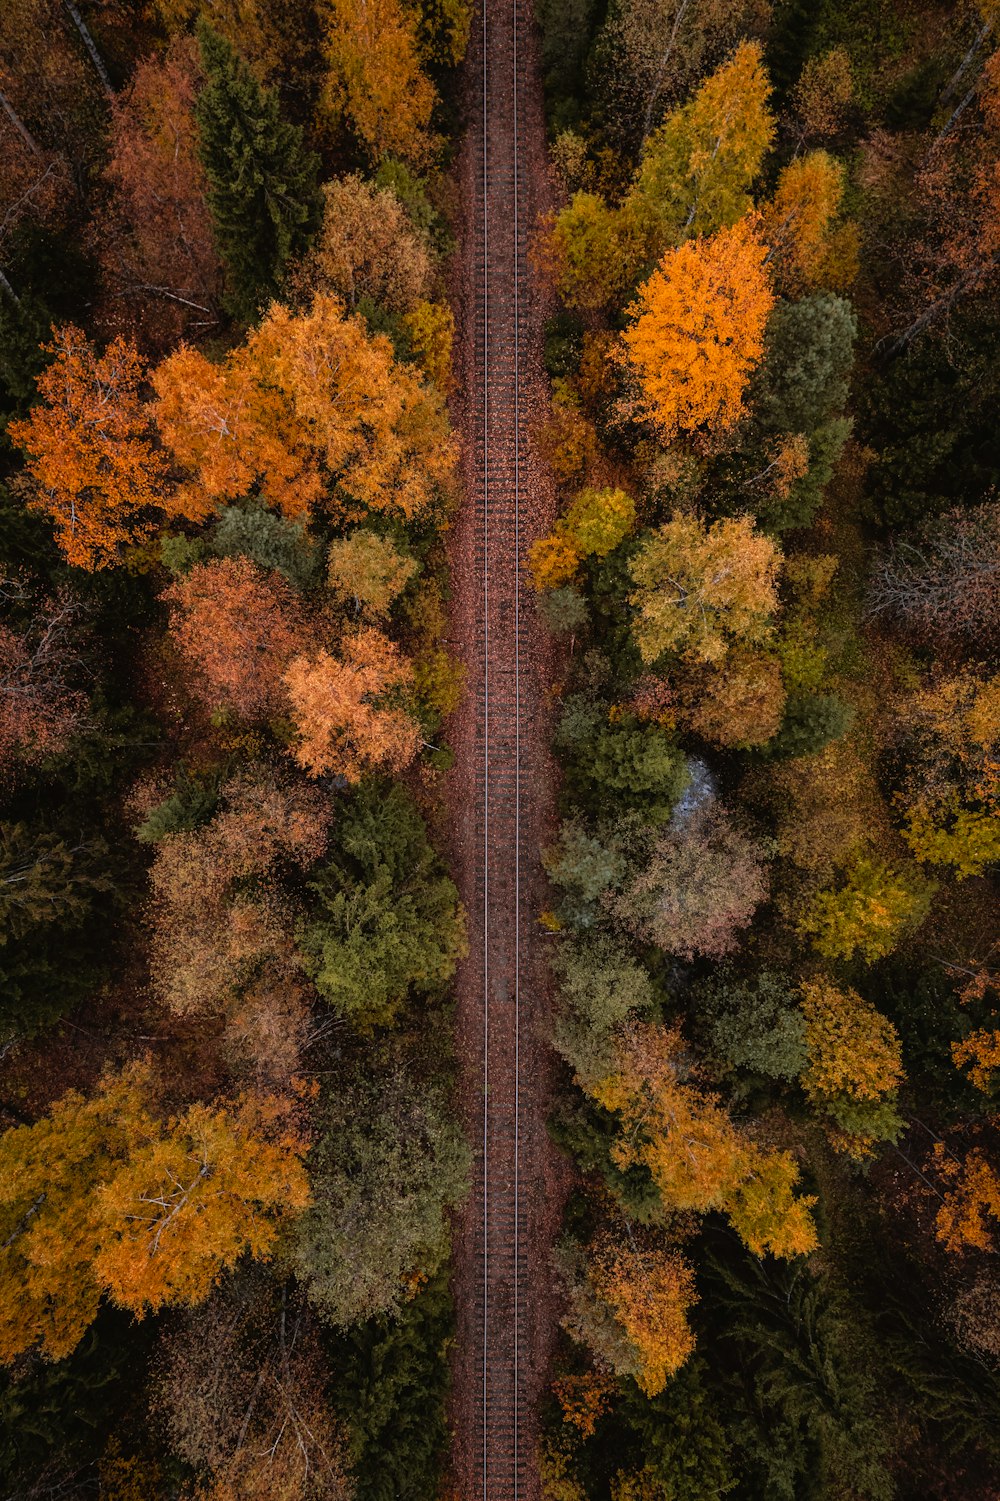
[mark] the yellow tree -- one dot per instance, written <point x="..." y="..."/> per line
<point x="595" y="524"/>
<point x="95" y="470"/>
<point x="697" y="331"/>
<point x="348" y="711"/>
<point x="701" y="590"/>
<point x="855" y="1063"/>
<point x="950" y="729"/>
<point x="693" y="1152"/>
<point x="587" y="252"/>
<point x="808" y="247"/>
<point x="629" y="1303"/>
<point x="375" y="81"/>
<point x="105" y="1197"/>
<point x="868" y="913"/>
<point x="368" y="570"/>
<point x="698" y="165"/>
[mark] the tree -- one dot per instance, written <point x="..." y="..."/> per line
<point x="808" y="248"/>
<point x="104" y="1197"/>
<point x="273" y="542"/>
<point x="596" y="522"/>
<point x="822" y="94"/>
<point x="219" y="920"/>
<point x="855" y="1063"/>
<point x="40" y="709"/>
<point x="369" y="570"/>
<point x="90" y="456"/>
<point x="45" y="880"/>
<point x="430" y="328"/>
<point x="600" y="987"/>
<point x="375" y="81"/>
<point x="387" y="920"/>
<point x="239" y="1387"/>
<point x="697" y="330"/>
<point x="350" y="712"/>
<point x="811" y="721"/>
<point x="639" y="762"/>
<point x="629" y="1304"/>
<point x="697" y="167"/>
<point x="647" y="55"/>
<point x="754" y="1023"/>
<point x="869" y="914"/>
<point x="803" y="381"/>
<point x="389" y="1167"/>
<point x="971" y="1208"/>
<point x="694" y="887"/>
<point x="701" y="590"/>
<point x="738" y="702"/>
<point x="156" y="243"/>
<point x="587" y="252"/>
<point x="262" y="191"/>
<point x="239" y="628"/>
<point x="950" y="733"/>
<point x="312" y="407"/>
<point x="695" y="1155"/>
<point x="944" y="583"/>
<point x="367" y="249"/>
<point x="827" y="807"/>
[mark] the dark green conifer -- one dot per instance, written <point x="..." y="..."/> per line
<point x="263" y="193"/>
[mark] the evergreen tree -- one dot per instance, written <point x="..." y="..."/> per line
<point x="263" y="192"/>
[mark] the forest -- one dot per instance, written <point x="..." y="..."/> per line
<point x="228" y="1150"/>
<point x="775" y="582"/>
<point x="231" y="1154"/>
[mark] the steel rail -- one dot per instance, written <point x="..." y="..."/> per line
<point x="486" y="771"/>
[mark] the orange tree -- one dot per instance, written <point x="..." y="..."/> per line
<point x="312" y="407"/>
<point x="697" y="331"/>
<point x="91" y="458"/>
<point x="350" y="711"/>
<point x="696" y="1157"/>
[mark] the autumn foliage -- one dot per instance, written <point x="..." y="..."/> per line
<point x="350" y="710"/>
<point x="238" y="628"/>
<point x="91" y="457"/>
<point x="312" y="408"/>
<point x="107" y="1197"/>
<point x="697" y="331"/>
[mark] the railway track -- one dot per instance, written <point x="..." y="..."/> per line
<point x="498" y="505"/>
<point x="501" y="1252"/>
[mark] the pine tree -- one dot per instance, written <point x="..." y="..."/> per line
<point x="263" y="192"/>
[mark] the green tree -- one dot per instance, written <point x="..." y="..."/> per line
<point x="803" y="379"/>
<point x="811" y="721"/>
<point x="45" y="880"/>
<point x="388" y="920"/>
<point x="263" y="193"/>
<point x="389" y="1166"/>
<point x="271" y="541"/>
<point x="754" y="1022"/>
<point x="600" y="987"/>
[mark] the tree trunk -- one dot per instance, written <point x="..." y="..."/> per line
<point x="91" y="46"/>
<point x="5" y="284"/>
<point x="18" y="124"/>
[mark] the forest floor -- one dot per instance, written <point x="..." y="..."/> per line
<point x="498" y="819"/>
